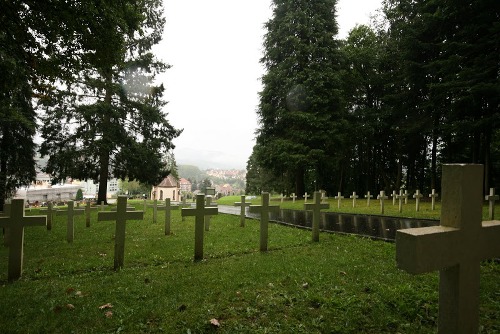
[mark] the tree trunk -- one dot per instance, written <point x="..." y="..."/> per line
<point x="299" y="182"/>
<point x="106" y="144"/>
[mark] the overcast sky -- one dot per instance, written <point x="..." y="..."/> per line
<point x="214" y="48"/>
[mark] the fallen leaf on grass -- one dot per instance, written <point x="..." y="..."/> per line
<point x="214" y="322"/>
<point x="109" y="314"/>
<point x="105" y="306"/>
<point x="70" y="306"/>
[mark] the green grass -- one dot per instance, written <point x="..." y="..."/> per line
<point x="408" y="210"/>
<point x="343" y="284"/>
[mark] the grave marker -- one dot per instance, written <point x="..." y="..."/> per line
<point x="306" y="196"/>
<point x="199" y="212"/>
<point x="155" y="210"/>
<point x="208" y="204"/>
<point x="103" y="206"/>
<point x="433" y="195"/>
<point x="293" y="196"/>
<point x="406" y="196"/>
<point x="339" y="199"/>
<point x="417" y="197"/>
<point x="242" y="204"/>
<point x="168" y="214"/>
<point x="368" y="197"/>
<point x="400" y="198"/>
<point x="15" y="223"/>
<point x="264" y="210"/>
<point x="50" y="215"/>
<point x="315" y="207"/>
<point x="88" y="209"/>
<point x="491" y="198"/>
<point x="382" y="197"/>
<point x="120" y="217"/>
<point x="455" y="248"/>
<point x="394" y="195"/>
<point x="282" y="197"/>
<point x="354" y="197"/>
<point x="71" y="212"/>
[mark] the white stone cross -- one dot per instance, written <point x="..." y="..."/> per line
<point x="394" y="195"/>
<point x="323" y="195"/>
<point x="354" y="197"/>
<point x="406" y="196"/>
<point x="168" y="214"/>
<point x="88" y="209"/>
<point x="282" y="197"/>
<point x="264" y="210"/>
<point x="368" y="197"/>
<point x="339" y="199"/>
<point x="491" y="198"/>
<point x="315" y="207"/>
<point x="242" y="204"/>
<point x="455" y="248"/>
<point x="50" y="215"/>
<point x="382" y="197"/>
<point x="293" y="196"/>
<point x="417" y="197"/>
<point x="306" y="196"/>
<point x="400" y="198"/>
<point x="199" y="212"/>
<point x="120" y="216"/>
<point x="15" y="223"/>
<point x="71" y="212"/>
<point x="433" y="196"/>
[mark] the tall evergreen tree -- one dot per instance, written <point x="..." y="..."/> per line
<point x="109" y="119"/>
<point x="300" y="110"/>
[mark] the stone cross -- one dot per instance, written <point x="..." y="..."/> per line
<point x="88" y="209"/>
<point x="168" y="214"/>
<point x="155" y="210"/>
<point x="382" y="197"/>
<point x="242" y="204"/>
<point x="394" y="195"/>
<point x="315" y="207"/>
<point x="208" y="203"/>
<point x="491" y="198"/>
<point x="282" y="197"/>
<point x="144" y="205"/>
<point x="102" y="206"/>
<point x="184" y="205"/>
<point x="293" y="196"/>
<point x="120" y="217"/>
<point x="368" y="196"/>
<point x="406" y="196"/>
<point x="264" y="210"/>
<point x="433" y="196"/>
<point x="323" y="195"/>
<point x="306" y="196"/>
<point x="15" y="223"/>
<point x="199" y="212"/>
<point x="50" y="215"/>
<point x="455" y="248"/>
<point x="417" y="197"/>
<point x="400" y="198"/>
<point x="70" y="225"/>
<point x="354" y="197"/>
<point x="339" y="199"/>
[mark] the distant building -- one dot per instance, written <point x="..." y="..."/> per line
<point x="168" y="188"/>
<point x="225" y="190"/>
<point x="185" y="185"/>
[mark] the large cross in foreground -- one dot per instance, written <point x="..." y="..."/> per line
<point x="315" y="207"/>
<point x="120" y="216"/>
<point x="199" y="212"/>
<point x="16" y="223"/>
<point x="264" y="210"/>
<point x="455" y="248"/>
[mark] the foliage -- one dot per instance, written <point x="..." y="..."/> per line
<point x="79" y="195"/>
<point x="133" y="187"/>
<point x="108" y="121"/>
<point x="343" y="284"/>
<point x="300" y="111"/>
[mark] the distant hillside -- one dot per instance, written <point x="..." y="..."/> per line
<point x="191" y="172"/>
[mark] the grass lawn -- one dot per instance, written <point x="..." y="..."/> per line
<point x="343" y="284"/>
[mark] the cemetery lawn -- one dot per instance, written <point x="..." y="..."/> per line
<point x="342" y="284"/>
<point x="425" y="210"/>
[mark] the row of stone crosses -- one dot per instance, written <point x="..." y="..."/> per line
<point x="456" y="247"/>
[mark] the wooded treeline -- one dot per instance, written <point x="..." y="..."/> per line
<point x="382" y="109"/>
<point x="82" y="73"/>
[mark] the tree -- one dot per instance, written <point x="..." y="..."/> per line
<point x="206" y="183"/>
<point x="109" y="120"/>
<point x="30" y="58"/>
<point x="79" y="195"/>
<point x="300" y="110"/>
